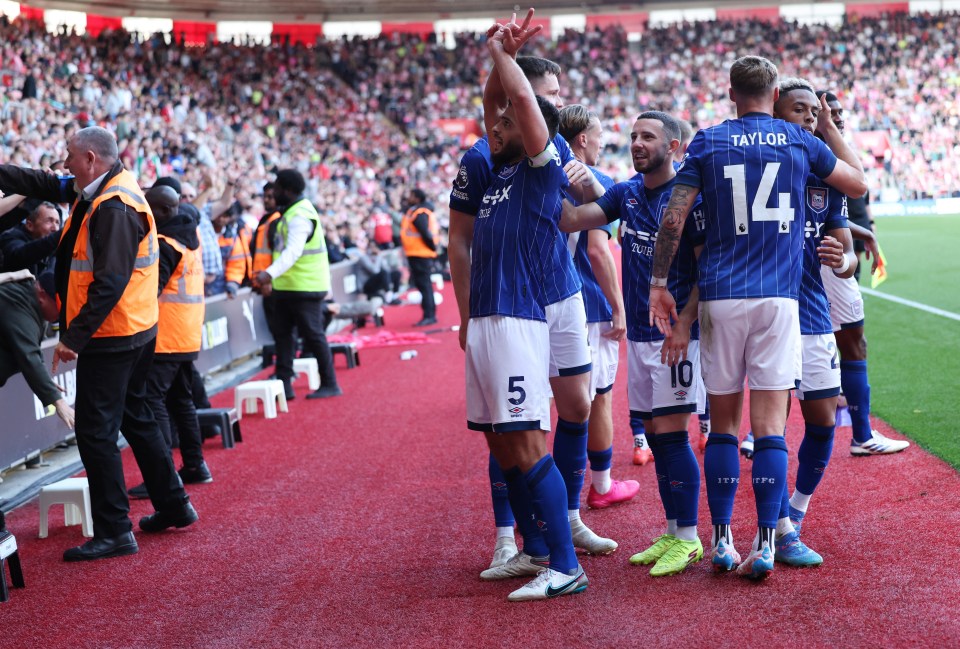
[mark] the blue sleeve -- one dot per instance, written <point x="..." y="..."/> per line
<point x="566" y="155"/>
<point x="822" y="160"/>
<point x="689" y="172"/>
<point x="471" y="183"/>
<point x="837" y="213"/>
<point x="696" y="225"/>
<point x="611" y="200"/>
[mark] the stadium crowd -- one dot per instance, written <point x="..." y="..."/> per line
<point x="900" y="75"/>
<point x="237" y="111"/>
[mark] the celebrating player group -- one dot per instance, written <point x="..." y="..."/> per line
<point x="738" y="265"/>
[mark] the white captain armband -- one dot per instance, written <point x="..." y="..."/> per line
<point x="544" y="156"/>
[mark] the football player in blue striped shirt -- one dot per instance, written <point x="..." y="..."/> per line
<point x="827" y="244"/>
<point x="571" y="389"/>
<point x="664" y="384"/>
<point x="751" y="173"/>
<point x="846" y="312"/>
<point x="507" y="343"/>
<point x="603" y="303"/>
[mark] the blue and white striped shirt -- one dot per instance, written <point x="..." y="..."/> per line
<point x="516" y="222"/>
<point x="641" y="210"/>
<point x="595" y="303"/>
<point x="825" y="209"/>
<point x="751" y="173"/>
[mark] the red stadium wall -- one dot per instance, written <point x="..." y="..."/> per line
<point x="96" y="24"/>
<point x="633" y="23"/>
<point x="878" y="9"/>
<point x="768" y="14"/>
<point x="31" y="13"/>
<point x="422" y="29"/>
<point x="298" y="32"/>
<point x="194" y="33"/>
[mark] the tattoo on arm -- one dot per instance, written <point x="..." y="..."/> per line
<point x="671" y="228"/>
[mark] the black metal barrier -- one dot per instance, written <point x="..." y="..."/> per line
<point x="232" y="330"/>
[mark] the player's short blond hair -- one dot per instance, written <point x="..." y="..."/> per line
<point x="753" y="76"/>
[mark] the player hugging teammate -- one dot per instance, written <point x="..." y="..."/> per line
<point x="735" y="293"/>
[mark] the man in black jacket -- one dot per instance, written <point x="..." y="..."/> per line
<point x="106" y="278"/>
<point x="26" y="309"/>
<point x="170" y="382"/>
<point x="30" y="245"/>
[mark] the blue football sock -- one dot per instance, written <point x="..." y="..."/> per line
<point x="547" y="491"/>
<point x="600" y="460"/>
<point x="721" y="470"/>
<point x="661" y="465"/>
<point x="639" y="432"/>
<point x="521" y="502"/>
<point x="856" y="387"/>
<point x="570" y="454"/>
<point x="684" y="471"/>
<point x="784" y="511"/>
<point x="769" y="478"/>
<point x="502" y="513"/>
<point x="814" y="456"/>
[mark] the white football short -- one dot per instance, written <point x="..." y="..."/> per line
<point x="569" y="350"/>
<point x="655" y="389"/>
<point x="506" y="374"/>
<point x="757" y="339"/>
<point x="605" y="355"/>
<point x="846" y="302"/>
<point x="821" y="367"/>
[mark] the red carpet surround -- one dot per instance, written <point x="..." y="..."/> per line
<point x="364" y="521"/>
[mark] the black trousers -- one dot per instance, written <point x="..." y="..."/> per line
<point x="111" y="395"/>
<point x="420" y="270"/>
<point x="170" y="395"/>
<point x="304" y="315"/>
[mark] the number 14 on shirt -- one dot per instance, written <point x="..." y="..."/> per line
<point x="758" y="210"/>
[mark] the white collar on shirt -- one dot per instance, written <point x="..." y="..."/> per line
<point x="91" y="189"/>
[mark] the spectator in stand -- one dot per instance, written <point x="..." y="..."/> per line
<point x="335" y="250"/>
<point x="31" y="244"/>
<point x="27" y="306"/>
<point x="419" y="234"/>
<point x="234" y="251"/>
<point x="382" y="226"/>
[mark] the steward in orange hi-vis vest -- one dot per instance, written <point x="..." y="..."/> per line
<point x="262" y="249"/>
<point x="181" y="302"/>
<point x="412" y="239"/>
<point x="137" y="310"/>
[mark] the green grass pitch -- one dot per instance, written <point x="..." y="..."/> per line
<point x="914" y="356"/>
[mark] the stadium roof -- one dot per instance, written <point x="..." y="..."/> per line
<point x="318" y="11"/>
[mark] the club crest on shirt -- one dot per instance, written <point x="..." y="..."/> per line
<point x="507" y="172"/>
<point x="817" y="198"/>
<point x="462" y="179"/>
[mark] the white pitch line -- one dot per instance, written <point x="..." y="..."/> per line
<point x="910" y="303"/>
